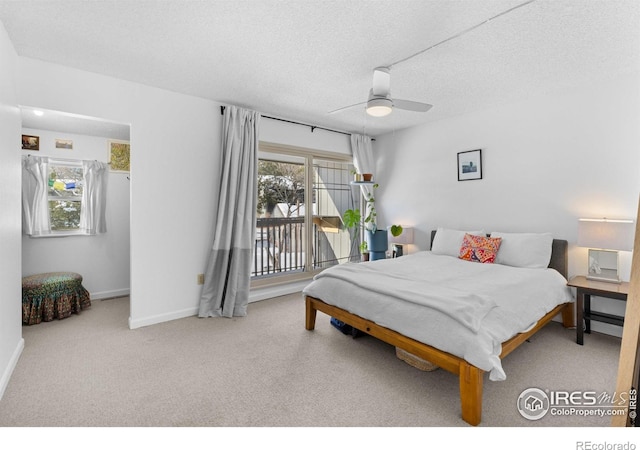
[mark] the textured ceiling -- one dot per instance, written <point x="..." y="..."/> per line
<point x="300" y="59"/>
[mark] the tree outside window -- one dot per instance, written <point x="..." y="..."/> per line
<point x="65" y="197"/>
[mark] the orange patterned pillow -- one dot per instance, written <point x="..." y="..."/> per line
<point x="479" y="248"/>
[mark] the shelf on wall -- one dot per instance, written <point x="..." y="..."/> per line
<point x="362" y="182"/>
<point x="330" y="224"/>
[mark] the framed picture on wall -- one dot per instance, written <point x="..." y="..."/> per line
<point x="65" y="144"/>
<point x="470" y="165"/>
<point x="30" y="142"/>
<point x="119" y="152"/>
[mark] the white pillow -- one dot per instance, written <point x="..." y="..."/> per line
<point x="530" y="250"/>
<point x="448" y="241"/>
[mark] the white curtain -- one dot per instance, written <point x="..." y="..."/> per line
<point x="364" y="163"/>
<point x="363" y="154"/>
<point x="35" y="205"/>
<point x="94" y="197"/>
<point x="228" y="272"/>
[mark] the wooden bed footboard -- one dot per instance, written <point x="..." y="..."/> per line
<point x="471" y="377"/>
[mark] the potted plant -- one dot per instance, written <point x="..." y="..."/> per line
<point x="364" y="251"/>
<point x="377" y="243"/>
<point x="353" y="220"/>
<point x="376" y="239"/>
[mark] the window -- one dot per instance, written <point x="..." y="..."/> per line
<point x="64" y="194"/>
<point x="62" y="197"/>
<point x="302" y="195"/>
<point x="333" y="195"/>
<point x="281" y="242"/>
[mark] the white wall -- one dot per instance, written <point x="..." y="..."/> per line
<point x="175" y="142"/>
<point x="11" y="342"/>
<point x="102" y="260"/>
<point x="546" y="162"/>
<point x="302" y="136"/>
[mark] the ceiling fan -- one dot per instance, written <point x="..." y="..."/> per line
<point x="380" y="103"/>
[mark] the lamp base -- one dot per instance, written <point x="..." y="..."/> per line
<point x="397" y="250"/>
<point x="603" y="266"/>
<point x="606" y="280"/>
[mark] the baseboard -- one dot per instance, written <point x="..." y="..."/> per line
<point x="159" y="318"/>
<point x="110" y="294"/>
<point x="254" y="296"/>
<point x="276" y="291"/>
<point x="6" y="376"/>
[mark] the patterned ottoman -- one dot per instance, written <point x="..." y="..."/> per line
<point x="48" y="296"/>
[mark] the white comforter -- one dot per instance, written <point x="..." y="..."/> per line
<point x="464" y="308"/>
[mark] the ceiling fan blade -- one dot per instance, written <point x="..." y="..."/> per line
<point x="346" y="107"/>
<point x="411" y="106"/>
<point x="381" y="82"/>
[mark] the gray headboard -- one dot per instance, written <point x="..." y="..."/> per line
<point x="559" y="255"/>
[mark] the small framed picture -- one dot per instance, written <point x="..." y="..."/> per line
<point x="64" y="144"/>
<point x="119" y="153"/>
<point x="470" y="165"/>
<point x="30" y="142"/>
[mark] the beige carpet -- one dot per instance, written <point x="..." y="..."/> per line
<point x="266" y="370"/>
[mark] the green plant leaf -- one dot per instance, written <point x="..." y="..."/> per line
<point x="396" y="230"/>
<point x="351" y="218"/>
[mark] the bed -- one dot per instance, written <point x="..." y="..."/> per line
<point x="460" y="315"/>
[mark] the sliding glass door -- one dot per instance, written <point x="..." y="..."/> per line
<point x="301" y="198"/>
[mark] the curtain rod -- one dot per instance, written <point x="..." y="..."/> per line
<point x="76" y="160"/>
<point x="55" y="158"/>
<point x="313" y="127"/>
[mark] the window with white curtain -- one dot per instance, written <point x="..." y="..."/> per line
<point x="63" y="197"/>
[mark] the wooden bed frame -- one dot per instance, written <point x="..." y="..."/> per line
<point x="471" y="377"/>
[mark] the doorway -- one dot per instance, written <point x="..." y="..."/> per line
<point x="103" y="260"/>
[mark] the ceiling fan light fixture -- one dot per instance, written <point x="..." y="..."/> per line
<point x="379" y="107"/>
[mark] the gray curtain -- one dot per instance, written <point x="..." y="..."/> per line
<point x="228" y="272"/>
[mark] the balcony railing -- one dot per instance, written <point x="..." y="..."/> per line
<point x="279" y="246"/>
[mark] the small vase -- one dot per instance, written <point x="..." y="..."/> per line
<point x="367" y="177"/>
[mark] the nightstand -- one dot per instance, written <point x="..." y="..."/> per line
<point x="584" y="290"/>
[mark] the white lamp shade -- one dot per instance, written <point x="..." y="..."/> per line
<point x="606" y="234"/>
<point x="379" y="107"/>
<point x="406" y="237"/>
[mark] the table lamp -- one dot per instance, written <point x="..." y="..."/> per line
<point x="605" y="237"/>
<point x="406" y="237"/>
